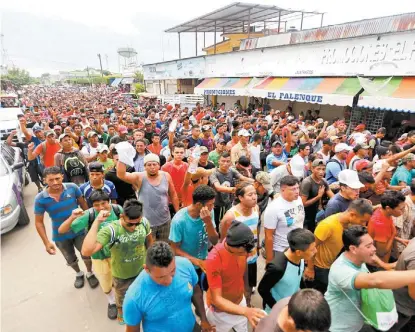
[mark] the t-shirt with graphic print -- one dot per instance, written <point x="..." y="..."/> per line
<point x="128" y="250"/>
<point x="283" y="216"/>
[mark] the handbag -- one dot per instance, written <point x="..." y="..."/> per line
<point x="378" y="308"/>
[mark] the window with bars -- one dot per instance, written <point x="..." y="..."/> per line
<point x="372" y="118"/>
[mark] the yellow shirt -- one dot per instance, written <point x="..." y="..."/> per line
<point x="329" y="232"/>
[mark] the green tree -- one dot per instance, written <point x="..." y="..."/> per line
<point x="18" y="77"/>
<point x="44" y="75"/>
<point x="139" y="88"/>
<point x="138" y="75"/>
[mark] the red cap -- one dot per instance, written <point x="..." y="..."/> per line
<point x="360" y="127"/>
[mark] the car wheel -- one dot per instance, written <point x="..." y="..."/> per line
<point x="24" y="218"/>
<point x="26" y="179"/>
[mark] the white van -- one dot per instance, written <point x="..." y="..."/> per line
<point x="9" y="122"/>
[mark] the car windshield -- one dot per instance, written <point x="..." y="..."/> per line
<point x="10" y="114"/>
<point x="3" y="169"/>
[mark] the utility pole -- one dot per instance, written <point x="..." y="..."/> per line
<point x="89" y="78"/>
<point x="100" y="64"/>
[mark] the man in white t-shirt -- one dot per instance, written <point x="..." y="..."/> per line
<point x="255" y="148"/>
<point x="282" y="215"/>
<point x="90" y="150"/>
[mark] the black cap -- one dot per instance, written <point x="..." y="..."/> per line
<point x="239" y="235"/>
<point x="96" y="167"/>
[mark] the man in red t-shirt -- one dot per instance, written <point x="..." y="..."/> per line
<point x="381" y="227"/>
<point x="46" y="150"/>
<point x="177" y="168"/>
<point x="225" y="268"/>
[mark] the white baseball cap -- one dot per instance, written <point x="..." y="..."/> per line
<point x="342" y="147"/>
<point x="244" y="132"/>
<point x="297" y="165"/>
<point x="350" y="179"/>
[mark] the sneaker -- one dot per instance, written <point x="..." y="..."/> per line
<point x="92" y="281"/>
<point x="79" y="281"/>
<point x="112" y="311"/>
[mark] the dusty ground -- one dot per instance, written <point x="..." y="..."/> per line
<point x="37" y="292"/>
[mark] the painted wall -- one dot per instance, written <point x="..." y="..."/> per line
<point x="233" y="40"/>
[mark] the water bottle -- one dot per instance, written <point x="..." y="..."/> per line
<point x="173" y="125"/>
<point x="195" y="162"/>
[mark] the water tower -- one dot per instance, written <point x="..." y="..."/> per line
<point x="127" y="59"/>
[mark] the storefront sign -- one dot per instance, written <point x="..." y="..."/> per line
<point x="219" y="92"/>
<point x="381" y="55"/>
<point x="301" y="97"/>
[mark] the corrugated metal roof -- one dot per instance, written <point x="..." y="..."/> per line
<point x="380" y="25"/>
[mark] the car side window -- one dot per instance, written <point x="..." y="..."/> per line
<point x="9" y="154"/>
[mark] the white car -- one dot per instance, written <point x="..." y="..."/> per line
<point x="9" y="122"/>
<point x="13" y="178"/>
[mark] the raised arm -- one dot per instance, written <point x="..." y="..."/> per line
<point x="131" y="178"/>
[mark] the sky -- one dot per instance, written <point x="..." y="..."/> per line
<point x="46" y="36"/>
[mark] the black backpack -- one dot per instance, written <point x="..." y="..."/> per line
<point x="91" y="212"/>
<point x="73" y="166"/>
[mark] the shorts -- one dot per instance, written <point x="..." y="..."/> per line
<point x="225" y="322"/>
<point x="35" y="171"/>
<point x="202" y="280"/>
<point x="102" y="270"/>
<point x="161" y="233"/>
<point x="252" y="274"/>
<point x="67" y="248"/>
<point x="219" y="213"/>
<point x="120" y="288"/>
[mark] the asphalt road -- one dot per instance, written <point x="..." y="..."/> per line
<point x="37" y="292"/>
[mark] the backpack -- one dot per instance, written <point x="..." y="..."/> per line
<point x="91" y="216"/>
<point x="72" y="165"/>
<point x="337" y="162"/>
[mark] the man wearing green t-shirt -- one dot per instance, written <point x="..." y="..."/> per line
<point x="215" y="154"/>
<point x="108" y="163"/>
<point x="128" y="239"/>
<point x="101" y="260"/>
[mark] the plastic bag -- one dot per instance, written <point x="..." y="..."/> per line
<point x="126" y="153"/>
<point x="378" y="308"/>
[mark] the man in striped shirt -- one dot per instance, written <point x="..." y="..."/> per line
<point x="59" y="199"/>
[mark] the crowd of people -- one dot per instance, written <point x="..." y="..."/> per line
<point x="171" y="209"/>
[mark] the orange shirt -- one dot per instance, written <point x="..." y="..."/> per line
<point x="226" y="272"/>
<point x="155" y="149"/>
<point x="48" y="152"/>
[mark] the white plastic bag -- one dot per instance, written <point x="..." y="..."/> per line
<point x="126" y="153"/>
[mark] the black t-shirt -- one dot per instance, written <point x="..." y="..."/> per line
<point x="125" y="190"/>
<point x="209" y="165"/>
<point x="309" y="188"/>
<point x="408" y="146"/>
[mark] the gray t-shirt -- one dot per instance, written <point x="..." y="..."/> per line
<point x="344" y="315"/>
<point x="270" y="323"/>
<point x="276" y="175"/>
<point x="283" y="217"/>
<point x="226" y="180"/>
<point x="404" y="303"/>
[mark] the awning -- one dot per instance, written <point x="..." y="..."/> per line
<point x="226" y="86"/>
<point x="128" y="80"/>
<point x="318" y="90"/>
<point x="397" y="95"/>
<point x="116" y="82"/>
